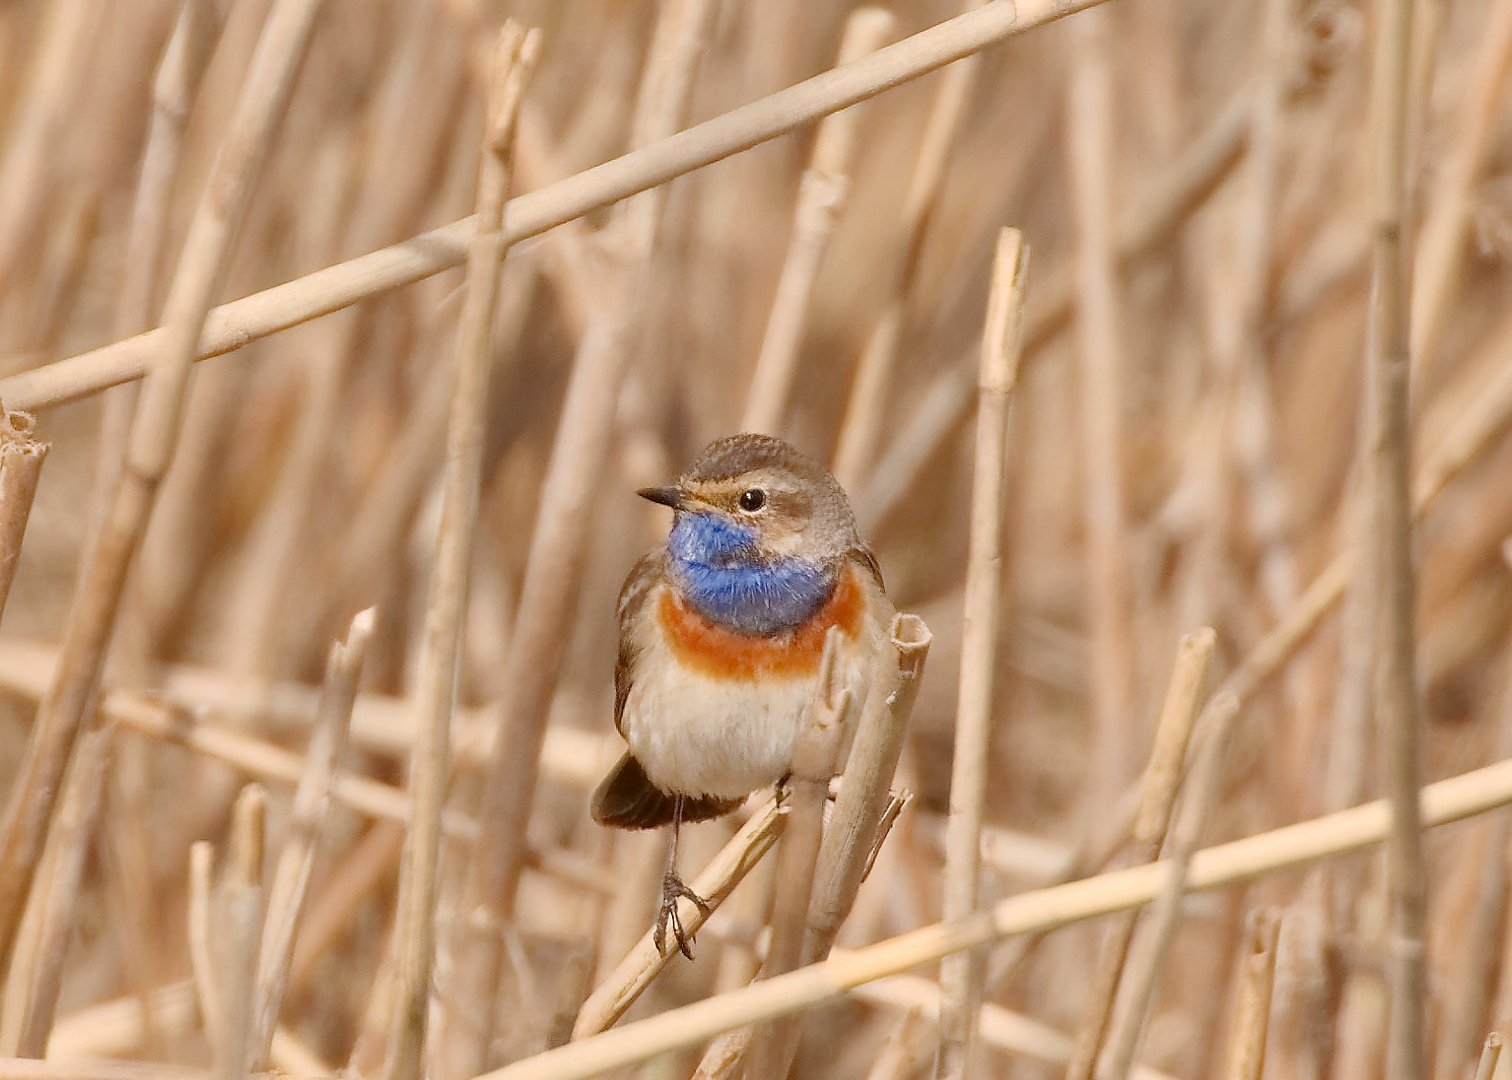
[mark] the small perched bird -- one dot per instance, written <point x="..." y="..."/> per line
<point x="721" y="631"/>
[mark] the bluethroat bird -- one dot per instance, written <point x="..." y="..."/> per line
<point x="721" y="631"/>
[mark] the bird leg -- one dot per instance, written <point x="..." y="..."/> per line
<point x="673" y="889"/>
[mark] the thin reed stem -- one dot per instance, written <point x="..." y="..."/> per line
<point x="446" y="606"/>
<point x="1002" y="342"/>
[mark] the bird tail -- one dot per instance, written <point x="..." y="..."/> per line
<point x="627" y="799"/>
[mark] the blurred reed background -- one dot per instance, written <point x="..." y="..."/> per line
<point x="1195" y="182"/>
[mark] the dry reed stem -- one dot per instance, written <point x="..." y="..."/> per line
<point x="174" y="89"/>
<point x="1215" y="725"/>
<point x="201" y="900"/>
<point x="291" y="877"/>
<point x="558" y="545"/>
<point x="869" y="767"/>
<point x="21" y="459"/>
<point x="813" y="767"/>
<point x="1388" y="367"/>
<point x="1440" y="254"/>
<point x="240" y="322"/>
<point x="1002" y="1030"/>
<point x="513" y="63"/>
<point x="37" y="969"/>
<point x="1158" y="789"/>
<point x="1257" y="975"/>
<point x="1002" y="342"/>
<point x="821" y="199"/>
<point x="201" y="269"/>
<point x="855" y="451"/>
<point x="1102" y="354"/>
<point x="1490" y="1055"/>
<point x="1156" y="213"/>
<point x="629" y="979"/>
<point x="236" y="923"/>
<point x="1450" y="800"/>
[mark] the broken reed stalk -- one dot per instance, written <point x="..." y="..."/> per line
<point x="1490" y="1056"/>
<point x="558" y="545"/>
<point x="1041" y="909"/>
<point x="814" y="761"/>
<point x="236" y="927"/>
<point x="1209" y="756"/>
<point x="513" y="63"/>
<point x="21" y="460"/>
<point x="296" y="861"/>
<point x="240" y="322"/>
<point x="1387" y="378"/>
<point x="1152" y="219"/>
<point x="821" y="199"/>
<point x="1002" y="342"/>
<point x="1257" y="975"/>
<point x="201" y="270"/>
<point x="869" y="767"/>
<point x="36" y="972"/>
<point x="629" y="979"/>
<point x="855" y="453"/>
<point x="1101" y="351"/>
<point x="1158" y="789"/>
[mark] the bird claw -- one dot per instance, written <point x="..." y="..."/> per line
<point x="673" y="890"/>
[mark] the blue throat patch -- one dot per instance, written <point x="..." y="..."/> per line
<point x="720" y="569"/>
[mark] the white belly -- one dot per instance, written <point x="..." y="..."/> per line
<point x="697" y="735"/>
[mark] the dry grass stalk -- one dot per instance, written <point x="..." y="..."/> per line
<point x="1102" y="354"/>
<point x="1257" y="974"/>
<point x="37" y="969"/>
<point x="1061" y="905"/>
<point x="563" y="525"/>
<point x="202" y="267"/>
<point x="1002" y="342"/>
<point x="1215" y="726"/>
<point x="821" y="200"/>
<point x="23" y="1069"/>
<point x="866" y="408"/>
<point x="1158" y="789"/>
<point x="446" y="607"/>
<point x="852" y="833"/>
<point x="629" y="979"/>
<point x="814" y="761"/>
<point x="296" y="861"/>
<point x="1490" y="1055"/>
<point x="21" y="459"/>
<point x="235" y="324"/>
<point x="1388" y="367"/>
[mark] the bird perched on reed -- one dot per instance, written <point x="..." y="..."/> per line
<point x="721" y="631"/>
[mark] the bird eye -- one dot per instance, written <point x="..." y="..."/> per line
<point x="752" y="500"/>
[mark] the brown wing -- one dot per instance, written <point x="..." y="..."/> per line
<point x="865" y="556"/>
<point x="632" y="599"/>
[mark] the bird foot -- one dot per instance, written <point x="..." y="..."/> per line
<point x="673" y="889"/>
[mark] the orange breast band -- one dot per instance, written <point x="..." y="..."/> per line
<point x="714" y="650"/>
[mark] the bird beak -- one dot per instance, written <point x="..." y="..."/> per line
<point x="667" y="496"/>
